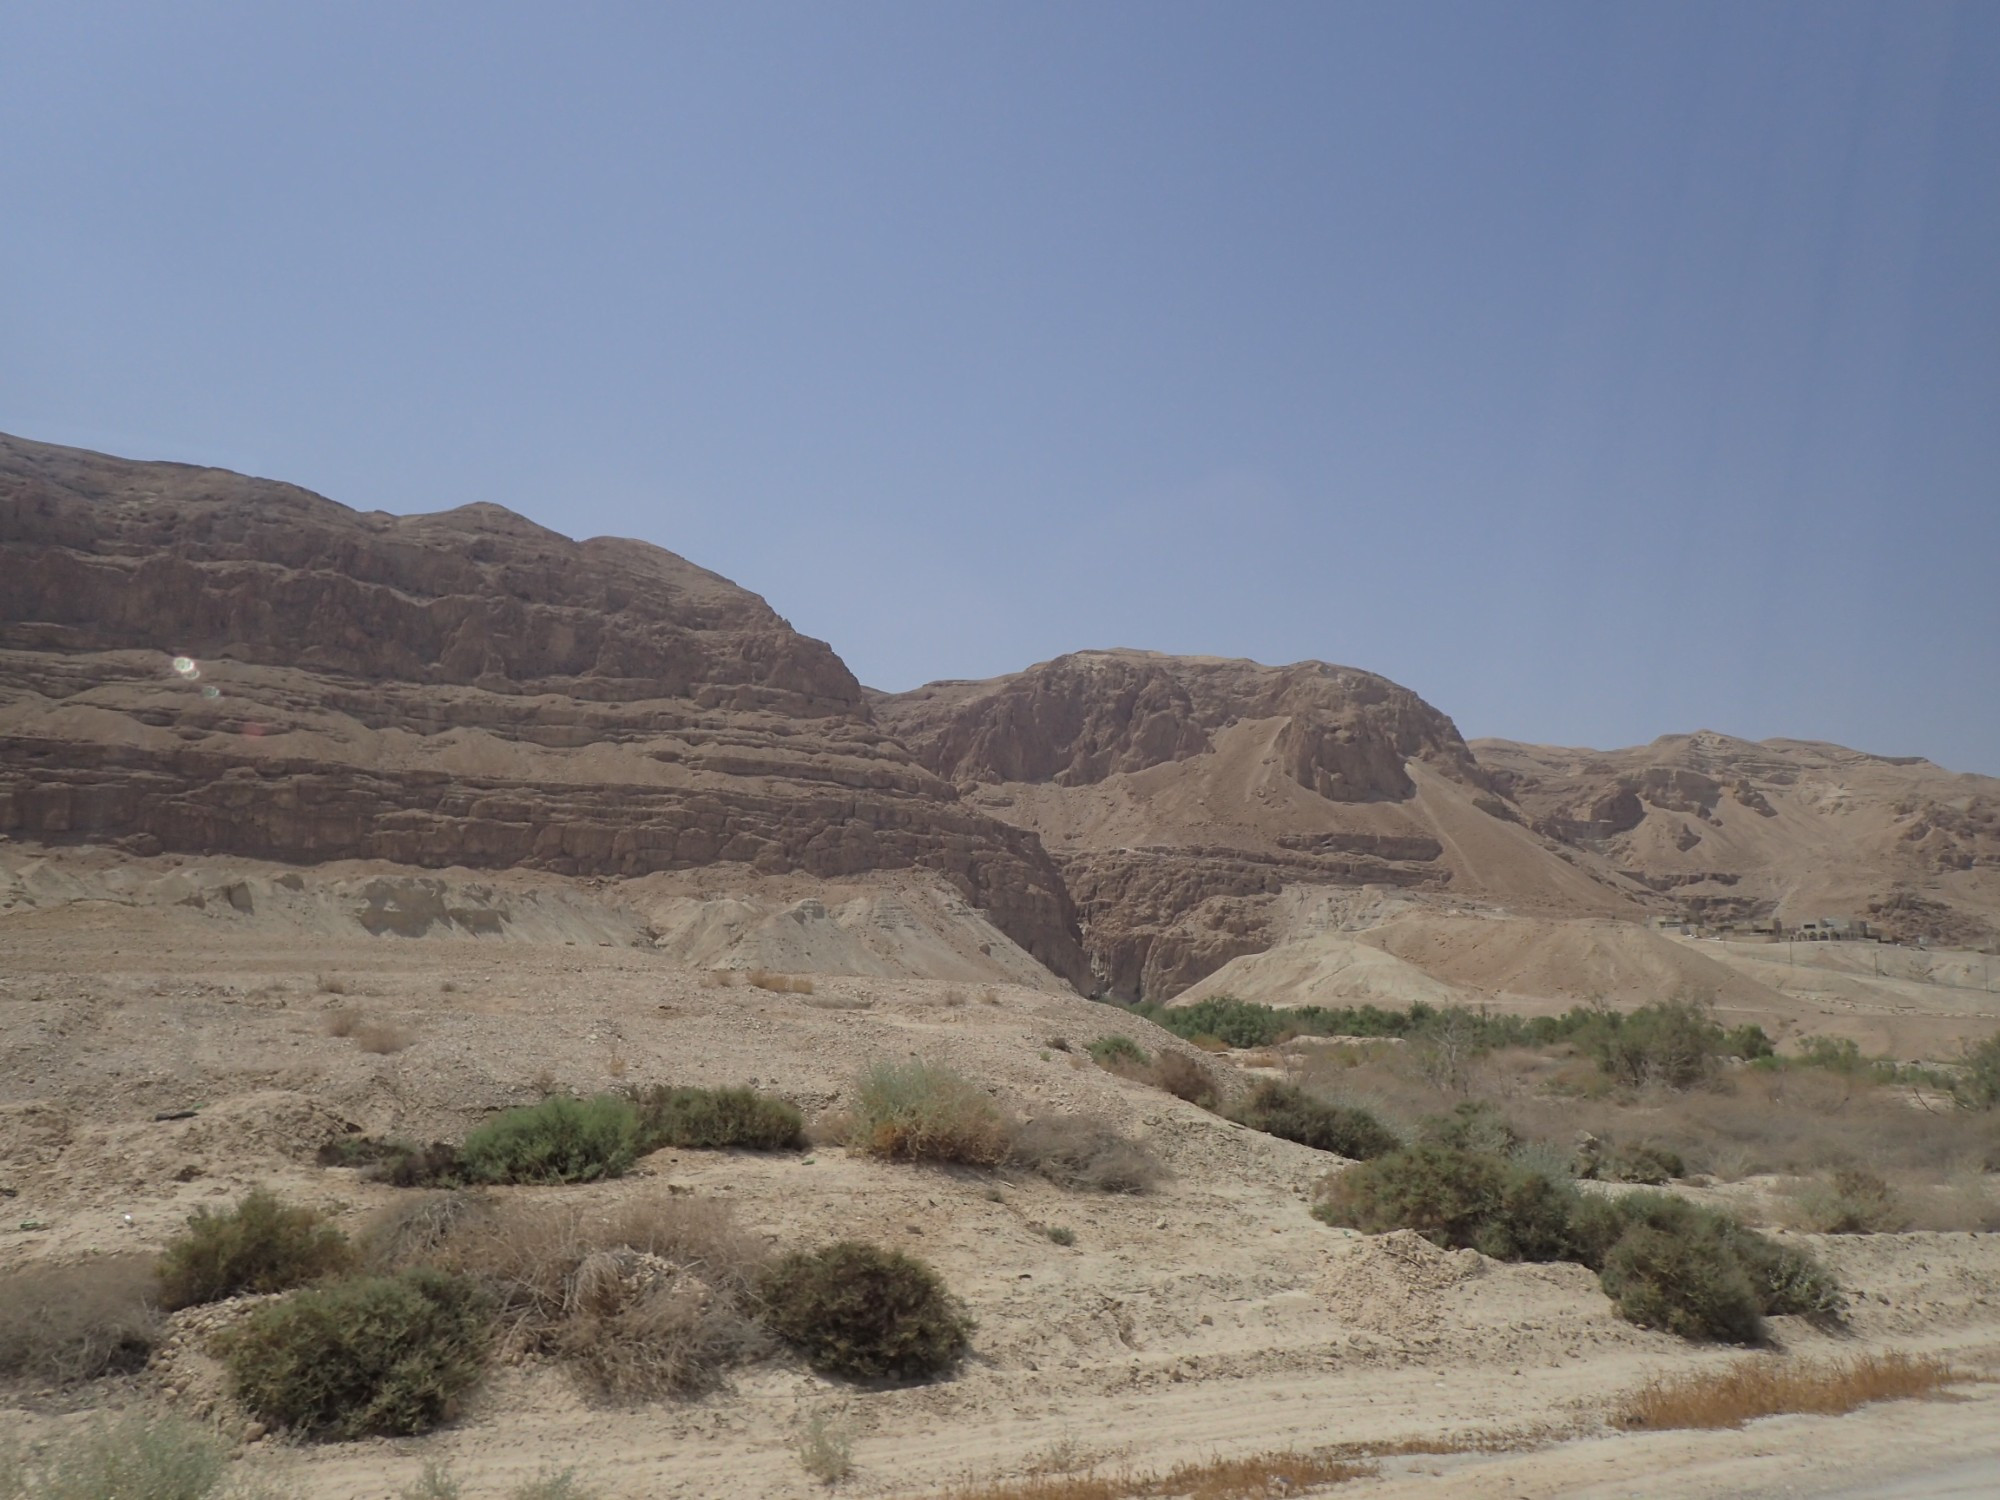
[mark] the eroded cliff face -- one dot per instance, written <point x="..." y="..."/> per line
<point x="1182" y="795"/>
<point x="195" y="660"/>
<point x="1731" y="829"/>
<point x="1084" y="717"/>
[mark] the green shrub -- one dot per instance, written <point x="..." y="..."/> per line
<point x="1684" y="1288"/>
<point x="381" y="1356"/>
<point x="1639" y="1163"/>
<point x="718" y="1118"/>
<point x="1292" y="1114"/>
<point x="1748" y="1042"/>
<point x="923" y="1111"/>
<point x="1686" y="1282"/>
<point x="1472" y="1125"/>
<point x="132" y="1457"/>
<point x="1674" y="1044"/>
<point x="63" y="1324"/>
<point x="263" y="1244"/>
<point x="559" y="1140"/>
<point x="1082" y="1151"/>
<point x="1118" y="1048"/>
<point x="858" y="1310"/>
<point x="1978" y="1085"/>
<point x="1456" y="1199"/>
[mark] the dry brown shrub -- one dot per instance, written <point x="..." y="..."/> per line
<point x="1850" y="1200"/>
<point x="781" y="984"/>
<point x="954" y="998"/>
<point x="1184" y="1078"/>
<point x="410" y="1231"/>
<point x="342" y="1020"/>
<point x="1964" y="1202"/>
<point x="615" y="1065"/>
<point x="332" y="984"/>
<point x="989" y="996"/>
<point x="650" y="1298"/>
<point x="63" y="1324"/>
<point x="1084" y="1151"/>
<point x="928" y="1112"/>
<point x="382" y="1037"/>
<point x="1768" y="1387"/>
<point x="1257" y="1478"/>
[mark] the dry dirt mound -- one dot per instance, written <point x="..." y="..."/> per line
<point x="888" y="927"/>
<point x="1563" y="963"/>
<point x="1330" y="971"/>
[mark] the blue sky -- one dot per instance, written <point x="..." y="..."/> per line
<point x="1599" y="371"/>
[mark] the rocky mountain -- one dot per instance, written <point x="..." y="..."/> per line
<point x="1182" y="796"/>
<point x="195" y="660"/>
<point x="1728" y="829"/>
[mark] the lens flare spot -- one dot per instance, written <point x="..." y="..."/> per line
<point x="188" y="667"/>
<point x="211" y="692"/>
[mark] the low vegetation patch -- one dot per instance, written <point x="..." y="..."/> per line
<point x="559" y="1140"/>
<point x="1116" y="1048"/>
<point x="652" y="1299"/>
<point x="1184" y="1078"/>
<point x="263" y="1244"/>
<point x="1850" y="1200"/>
<point x="132" y="1457"/>
<point x="1769" y="1387"/>
<point x="1290" y="1113"/>
<point x="859" y="1310"/>
<point x="1978" y="1084"/>
<point x="384" y="1356"/>
<point x="826" y="1448"/>
<point x="716" y="1118"/>
<point x="1664" y="1262"/>
<point x="61" y="1325"/>
<point x="1083" y="1151"/>
<point x="1675" y="1043"/>
<point x="924" y="1111"/>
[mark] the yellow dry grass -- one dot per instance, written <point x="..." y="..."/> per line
<point x="1769" y="1387"/>
<point x="1256" y="1478"/>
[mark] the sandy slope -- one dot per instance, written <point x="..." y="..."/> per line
<point x="1213" y="1317"/>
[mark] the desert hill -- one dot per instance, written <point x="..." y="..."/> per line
<point x="1783" y="828"/>
<point x="192" y="660"/>
<point x="1183" y="795"/>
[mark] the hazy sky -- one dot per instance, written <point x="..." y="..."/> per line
<point x="1597" y="370"/>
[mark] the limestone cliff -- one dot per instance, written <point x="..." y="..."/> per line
<point x="1182" y="795"/>
<point x="195" y="660"/>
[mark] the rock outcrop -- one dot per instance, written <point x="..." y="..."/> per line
<point x="1182" y="795"/>
<point x="195" y="660"/>
<point x="1734" y="830"/>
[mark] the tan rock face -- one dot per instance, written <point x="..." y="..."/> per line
<point x="1182" y="794"/>
<point x="464" y="688"/>
<point x="1787" y="828"/>
<point x="1081" y="718"/>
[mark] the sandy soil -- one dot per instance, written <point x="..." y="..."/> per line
<point x="1213" y="1317"/>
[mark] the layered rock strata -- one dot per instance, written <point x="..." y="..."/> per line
<point x="195" y="660"/>
<point x="1181" y="795"/>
